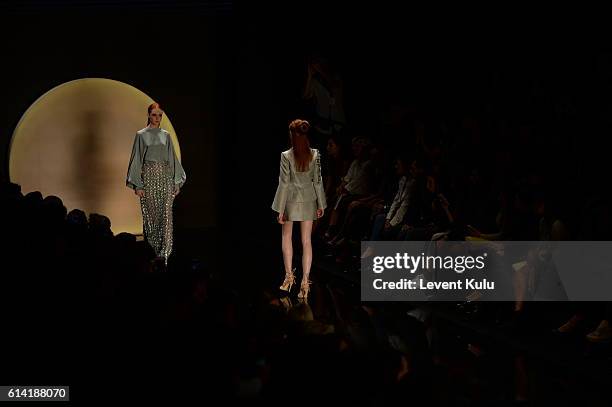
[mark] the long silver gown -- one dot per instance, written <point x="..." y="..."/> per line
<point x="155" y="168"/>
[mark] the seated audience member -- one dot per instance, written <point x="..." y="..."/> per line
<point x="387" y="225"/>
<point x="336" y="166"/>
<point x="430" y="213"/>
<point x="356" y="222"/>
<point x="356" y="184"/>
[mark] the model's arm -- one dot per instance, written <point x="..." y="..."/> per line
<point x="134" y="176"/>
<point x="318" y="183"/>
<point x="280" y="199"/>
<point x="179" y="173"/>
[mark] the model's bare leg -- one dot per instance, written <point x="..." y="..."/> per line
<point x="287" y="246"/>
<point x="305" y="232"/>
<point x="287" y="229"/>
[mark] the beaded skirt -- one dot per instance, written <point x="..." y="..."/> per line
<point x="156" y="205"/>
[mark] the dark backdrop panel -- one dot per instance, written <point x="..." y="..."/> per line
<point x="174" y="56"/>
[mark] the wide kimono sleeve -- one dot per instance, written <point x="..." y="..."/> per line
<point x="134" y="173"/>
<point x="318" y="183"/>
<point x="179" y="173"/>
<point x="280" y="198"/>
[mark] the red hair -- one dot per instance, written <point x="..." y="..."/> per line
<point x="298" y="136"/>
<point x="152" y="106"/>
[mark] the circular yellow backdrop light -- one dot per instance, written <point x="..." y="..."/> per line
<point x="75" y="142"/>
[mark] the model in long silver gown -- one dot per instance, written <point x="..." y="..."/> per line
<point x="155" y="169"/>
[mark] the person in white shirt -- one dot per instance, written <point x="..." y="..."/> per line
<point x="386" y="226"/>
<point x="357" y="183"/>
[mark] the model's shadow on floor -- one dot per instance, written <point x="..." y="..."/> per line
<point x="300" y="314"/>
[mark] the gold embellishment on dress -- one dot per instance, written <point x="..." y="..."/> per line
<point x="156" y="205"/>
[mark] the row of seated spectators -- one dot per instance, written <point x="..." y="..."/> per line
<point x="422" y="176"/>
<point x="86" y="307"/>
<point x="459" y="185"/>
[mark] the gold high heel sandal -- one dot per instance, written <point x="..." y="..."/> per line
<point x="304" y="289"/>
<point x="289" y="280"/>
